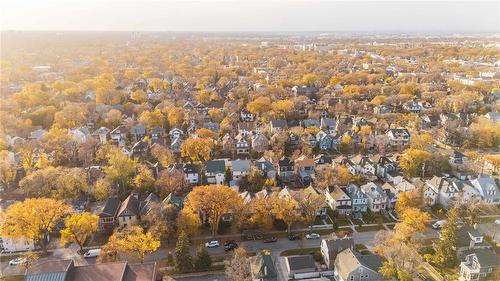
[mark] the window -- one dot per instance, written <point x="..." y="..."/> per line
<point x="352" y="278"/>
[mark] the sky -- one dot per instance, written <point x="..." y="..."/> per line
<point x="250" y="16"/>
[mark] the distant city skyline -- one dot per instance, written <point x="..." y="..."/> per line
<point x="251" y="16"/>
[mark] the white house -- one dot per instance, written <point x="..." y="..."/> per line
<point x="11" y="245"/>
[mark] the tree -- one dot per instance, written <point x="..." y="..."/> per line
<point x="8" y="171"/>
<point x="213" y="201"/>
<point x="152" y="118"/>
<point x="205" y="133"/>
<point x="139" y="96"/>
<point x="238" y="267"/>
<point x="309" y="204"/>
<point x="163" y="155"/>
<point x="413" y="221"/>
<point x="139" y="242"/>
<point x="144" y="179"/>
<point x="445" y="249"/>
<point x="282" y="108"/>
<point x="259" y="106"/>
<point x="171" y="182"/>
<point x="310" y="79"/>
<point x="421" y="141"/>
<point x="203" y="260"/>
<point x="256" y="179"/>
<point x="261" y="212"/>
<point x="285" y="209"/>
<point x="78" y="227"/>
<point x="409" y="199"/>
<point x="183" y="260"/>
<point x="71" y="116"/>
<point x="30" y="259"/>
<point x="197" y="149"/>
<point x="188" y="221"/>
<point x="60" y="182"/>
<point x="161" y="220"/>
<point x="412" y="161"/>
<point x="175" y="116"/>
<point x="119" y="168"/>
<point x="33" y="219"/>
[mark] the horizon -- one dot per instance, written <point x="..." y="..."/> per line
<point x="244" y="16"/>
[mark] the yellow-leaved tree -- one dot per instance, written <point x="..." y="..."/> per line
<point x="214" y="201"/>
<point x="78" y="228"/>
<point x="197" y="149"/>
<point x="33" y="219"/>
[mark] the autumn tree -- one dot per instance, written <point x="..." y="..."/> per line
<point x="71" y="116"/>
<point x="171" y="182"/>
<point x="183" y="259"/>
<point x="78" y="228"/>
<point x="285" y="209"/>
<point x="261" y="212"/>
<point x="445" y="250"/>
<point x="282" y="108"/>
<point x="214" y="201"/>
<point x="197" y="149"/>
<point x="152" y="118"/>
<point x="138" y="242"/>
<point x="144" y="179"/>
<point x="421" y="141"/>
<point x="119" y="168"/>
<point x="161" y="220"/>
<point x="175" y="116"/>
<point x="309" y="204"/>
<point x="164" y="155"/>
<point x="259" y="106"/>
<point x="413" y="160"/>
<point x="33" y="219"/>
<point x="139" y="96"/>
<point x="59" y="182"/>
<point x="238" y="267"/>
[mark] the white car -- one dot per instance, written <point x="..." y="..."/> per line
<point x="212" y="244"/>
<point x="438" y="224"/>
<point x="497" y="221"/>
<point x="313" y="236"/>
<point x="92" y="253"/>
<point x="17" y="261"/>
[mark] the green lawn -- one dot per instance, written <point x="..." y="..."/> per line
<point x="369" y="228"/>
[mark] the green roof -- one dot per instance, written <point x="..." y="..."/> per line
<point x="215" y="166"/>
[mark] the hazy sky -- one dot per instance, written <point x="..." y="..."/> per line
<point x="246" y="15"/>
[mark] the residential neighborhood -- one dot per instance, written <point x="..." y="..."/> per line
<point x="309" y="156"/>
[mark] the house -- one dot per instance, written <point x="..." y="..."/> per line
<point x="468" y="238"/>
<point x="265" y="166"/>
<point x="359" y="200"/>
<point x="293" y="140"/>
<point x="107" y="215"/>
<point x="285" y="169"/>
<point x="322" y="159"/>
<point x="191" y="173"/>
<point x="352" y="266"/>
<point x="246" y="116"/>
<point x="309" y="91"/>
<point x="67" y="270"/>
<point x="398" y="137"/>
<point x="447" y="189"/>
<point x="278" y="125"/>
<point x="377" y="198"/>
<point x="240" y="169"/>
<point x="148" y="204"/>
<point x="330" y="248"/>
<point x="176" y="201"/>
<point x="297" y="265"/>
<point x="138" y="132"/>
<point x="312" y="191"/>
<point x="339" y="201"/>
<point x="262" y="267"/>
<point x="157" y="135"/>
<point x="308" y="123"/>
<point x="487" y="188"/>
<point x="383" y="109"/>
<point x="493" y="116"/>
<point x="102" y="134"/>
<point x="119" y="135"/>
<point x="241" y="145"/>
<point x="328" y="125"/>
<point x="413" y="107"/>
<point x="430" y="120"/>
<point x="175" y="133"/>
<point x="457" y="158"/>
<point x="245" y="129"/>
<point x="80" y="134"/>
<point x="129" y="211"/>
<point x="325" y="141"/>
<point x="215" y="171"/>
<point x="138" y="149"/>
<point x="478" y="265"/>
<point x="10" y="245"/>
<point x="176" y="145"/>
<point x="385" y="165"/>
<point x="259" y="143"/>
<point x="304" y="167"/>
<point x="37" y="134"/>
<point x="310" y="139"/>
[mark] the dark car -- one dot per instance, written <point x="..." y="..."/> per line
<point x="229" y="242"/>
<point x="271" y="240"/>
<point x="230" y="246"/>
<point x="292" y="237"/>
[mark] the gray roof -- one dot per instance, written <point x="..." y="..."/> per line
<point x="110" y="207"/>
<point x="337" y="245"/>
<point x="486" y="257"/>
<point x="278" y="123"/>
<point x="262" y="267"/>
<point x="240" y="165"/>
<point x="347" y="261"/>
<point x="485" y="185"/>
<point x="215" y="166"/>
<point x="301" y="262"/>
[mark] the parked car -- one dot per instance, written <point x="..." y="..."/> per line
<point x="292" y="237"/>
<point x="313" y="236"/>
<point x="92" y="253"/>
<point x="497" y="221"/>
<point x="271" y="240"/>
<point x="230" y="246"/>
<point x="438" y="224"/>
<point x="212" y="244"/>
<point x="228" y="242"/>
<point x="17" y="261"/>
